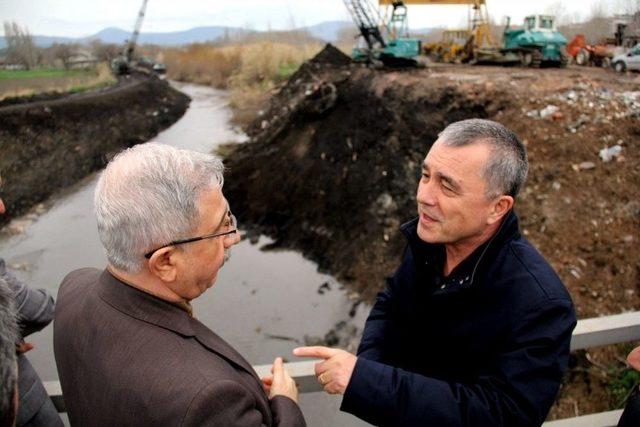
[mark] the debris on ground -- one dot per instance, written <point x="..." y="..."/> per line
<point x="609" y="153"/>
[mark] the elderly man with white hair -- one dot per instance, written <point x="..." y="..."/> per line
<point x="128" y="348"/>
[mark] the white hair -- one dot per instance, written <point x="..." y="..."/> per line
<point x="148" y="196"/>
<point x="506" y="170"/>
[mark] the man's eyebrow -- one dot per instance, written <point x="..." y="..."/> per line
<point x="452" y="182"/>
<point x="449" y="180"/>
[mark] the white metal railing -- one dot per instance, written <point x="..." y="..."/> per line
<point x="588" y="333"/>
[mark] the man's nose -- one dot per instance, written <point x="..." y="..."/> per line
<point x="233" y="239"/>
<point x="2" y="208"/>
<point x="426" y="193"/>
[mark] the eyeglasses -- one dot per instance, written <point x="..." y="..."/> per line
<point x="232" y="223"/>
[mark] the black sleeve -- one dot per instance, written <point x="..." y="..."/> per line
<point x="35" y="307"/>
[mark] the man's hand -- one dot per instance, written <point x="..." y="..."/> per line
<point x="335" y="372"/>
<point x="280" y="383"/>
<point x="23" y="347"/>
<point x="634" y="358"/>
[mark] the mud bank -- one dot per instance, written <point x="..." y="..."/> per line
<point x="52" y="143"/>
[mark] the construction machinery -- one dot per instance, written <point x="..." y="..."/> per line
<point x="537" y="42"/>
<point x="584" y="54"/>
<point x="450" y="48"/>
<point x="384" y="40"/>
<point x="125" y="63"/>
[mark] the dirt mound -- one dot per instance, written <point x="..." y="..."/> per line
<point x="50" y="144"/>
<point x="331" y="55"/>
<point x="333" y="165"/>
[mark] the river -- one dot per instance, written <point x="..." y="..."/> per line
<point x="263" y="303"/>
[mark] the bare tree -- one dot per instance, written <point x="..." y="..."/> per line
<point x="628" y="7"/>
<point x="20" y="47"/>
<point x="63" y="52"/>
<point x="559" y="10"/>
<point x="103" y="51"/>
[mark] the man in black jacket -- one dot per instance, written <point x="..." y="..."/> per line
<point x="474" y="327"/>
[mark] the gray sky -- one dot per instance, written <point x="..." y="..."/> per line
<point x="76" y="18"/>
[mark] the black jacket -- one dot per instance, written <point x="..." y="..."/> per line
<point x="485" y="346"/>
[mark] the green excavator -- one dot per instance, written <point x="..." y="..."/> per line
<point x="383" y="40"/>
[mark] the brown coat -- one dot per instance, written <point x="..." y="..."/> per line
<point x="128" y="358"/>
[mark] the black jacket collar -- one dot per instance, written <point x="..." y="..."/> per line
<point x="430" y="256"/>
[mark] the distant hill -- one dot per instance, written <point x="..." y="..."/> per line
<point x="327" y="31"/>
<point x="194" y="35"/>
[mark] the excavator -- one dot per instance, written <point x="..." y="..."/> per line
<point x="124" y="63"/>
<point x="383" y="40"/>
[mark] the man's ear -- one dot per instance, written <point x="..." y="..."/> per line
<point x="162" y="264"/>
<point x="501" y="207"/>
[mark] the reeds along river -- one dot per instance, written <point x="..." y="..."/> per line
<point x="263" y="303"/>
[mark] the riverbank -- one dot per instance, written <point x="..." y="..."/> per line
<point x="50" y="144"/>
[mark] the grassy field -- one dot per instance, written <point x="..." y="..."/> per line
<point x="16" y="83"/>
<point x="29" y="74"/>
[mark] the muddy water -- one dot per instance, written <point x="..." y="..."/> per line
<point x="263" y="303"/>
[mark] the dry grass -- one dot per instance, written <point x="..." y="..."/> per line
<point x="241" y="65"/>
<point x="203" y="64"/>
<point x="250" y="71"/>
<point x="72" y="81"/>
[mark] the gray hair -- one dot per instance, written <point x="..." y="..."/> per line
<point x="8" y="358"/>
<point x="148" y="196"/>
<point x="506" y="170"/>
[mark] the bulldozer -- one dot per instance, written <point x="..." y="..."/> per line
<point x="536" y="43"/>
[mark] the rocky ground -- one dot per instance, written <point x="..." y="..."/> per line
<point x="50" y="141"/>
<point x="333" y="165"/>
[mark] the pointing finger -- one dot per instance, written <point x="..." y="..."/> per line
<point x="278" y="369"/>
<point x="316" y="351"/>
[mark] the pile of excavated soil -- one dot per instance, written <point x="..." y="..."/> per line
<point x="333" y="165"/>
<point x="53" y="142"/>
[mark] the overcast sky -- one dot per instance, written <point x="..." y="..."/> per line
<point x="76" y="18"/>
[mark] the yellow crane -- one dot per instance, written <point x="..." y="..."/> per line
<point x="479" y="32"/>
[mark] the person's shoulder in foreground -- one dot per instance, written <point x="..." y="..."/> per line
<point x="34" y="308"/>
<point x="8" y="364"/>
<point x="128" y="348"/>
<point x="474" y="327"/>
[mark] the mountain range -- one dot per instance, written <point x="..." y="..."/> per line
<point x="326" y="31"/>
